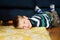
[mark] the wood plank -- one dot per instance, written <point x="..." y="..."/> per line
<point x="55" y="33"/>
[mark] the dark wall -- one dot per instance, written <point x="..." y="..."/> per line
<point x="17" y="3"/>
<point x="11" y="8"/>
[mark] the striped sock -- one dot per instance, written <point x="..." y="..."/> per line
<point x="37" y="9"/>
<point x="52" y="7"/>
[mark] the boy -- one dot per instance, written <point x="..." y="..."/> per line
<point x="41" y="19"/>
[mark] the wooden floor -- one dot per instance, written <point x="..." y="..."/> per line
<point x="55" y="33"/>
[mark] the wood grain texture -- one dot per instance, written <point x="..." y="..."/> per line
<point x="54" y="33"/>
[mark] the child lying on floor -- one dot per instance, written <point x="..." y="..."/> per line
<point x="41" y="19"/>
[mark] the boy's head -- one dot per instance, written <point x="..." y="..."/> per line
<point x="22" y="22"/>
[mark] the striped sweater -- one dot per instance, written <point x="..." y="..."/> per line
<point x="41" y="20"/>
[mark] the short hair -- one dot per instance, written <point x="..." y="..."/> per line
<point x="16" y="20"/>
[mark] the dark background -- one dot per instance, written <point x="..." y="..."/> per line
<point x="10" y="8"/>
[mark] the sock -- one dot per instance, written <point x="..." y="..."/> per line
<point x="52" y="7"/>
<point x="37" y="9"/>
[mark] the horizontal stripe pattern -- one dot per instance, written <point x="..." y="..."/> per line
<point x="41" y="20"/>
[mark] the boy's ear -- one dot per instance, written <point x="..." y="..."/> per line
<point x="25" y="17"/>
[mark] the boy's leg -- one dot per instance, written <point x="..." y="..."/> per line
<point x="55" y="16"/>
<point x="56" y="19"/>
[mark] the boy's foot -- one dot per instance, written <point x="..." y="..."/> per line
<point x="52" y="7"/>
<point x="37" y="9"/>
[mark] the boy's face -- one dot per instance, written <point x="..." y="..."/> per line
<point x="24" y="23"/>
